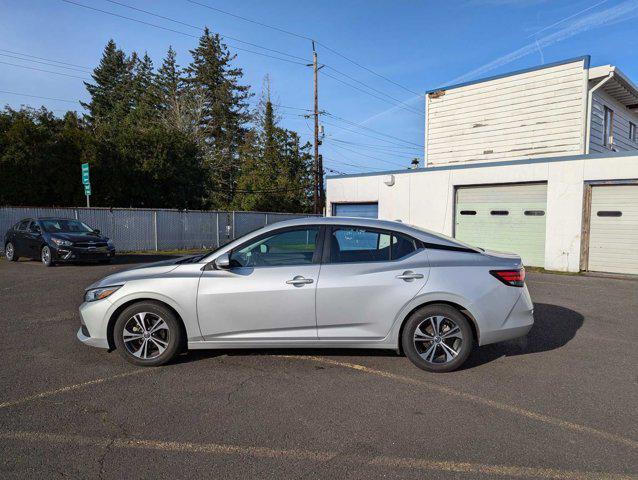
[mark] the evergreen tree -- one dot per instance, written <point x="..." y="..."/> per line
<point x="215" y="86"/>
<point x="275" y="174"/>
<point x="111" y="93"/>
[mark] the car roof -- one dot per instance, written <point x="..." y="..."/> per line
<point x="397" y="226"/>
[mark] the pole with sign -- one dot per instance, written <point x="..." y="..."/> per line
<point x="87" y="183"/>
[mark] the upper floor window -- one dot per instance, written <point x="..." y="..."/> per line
<point x="608" y="127"/>
<point x="632" y="132"/>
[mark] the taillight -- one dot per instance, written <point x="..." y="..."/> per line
<point x="513" y="278"/>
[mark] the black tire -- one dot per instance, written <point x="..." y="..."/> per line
<point x="153" y="310"/>
<point x="440" y="362"/>
<point x="46" y="256"/>
<point x="10" y="252"/>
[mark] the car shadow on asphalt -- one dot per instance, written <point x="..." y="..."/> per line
<point x="554" y="327"/>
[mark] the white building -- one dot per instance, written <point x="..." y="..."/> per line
<point x="543" y="162"/>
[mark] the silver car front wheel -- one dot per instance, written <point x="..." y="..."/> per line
<point x="147" y="333"/>
<point x="437" y="338"/>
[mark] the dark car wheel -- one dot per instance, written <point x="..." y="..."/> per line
<point x="10" y="252"/>
<point x="46" y="256"/>
<point x="437" y="338"/>
<point x="147" y="334"/>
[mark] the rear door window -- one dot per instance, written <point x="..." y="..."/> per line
<point x="354" y="244"/>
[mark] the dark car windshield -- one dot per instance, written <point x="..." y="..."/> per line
<point x="65" y="226"/>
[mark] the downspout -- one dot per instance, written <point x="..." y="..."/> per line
<point x="589" y="107"/>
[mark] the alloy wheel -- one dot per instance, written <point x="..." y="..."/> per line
<point x="9" y="252"/>
<point x="438" y="339"/>
<point x="46" y="255"/>
<point x="146" y="335"/>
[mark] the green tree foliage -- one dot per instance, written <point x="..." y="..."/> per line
<point x="276" y="169"/>
<point x="170" y="137"/>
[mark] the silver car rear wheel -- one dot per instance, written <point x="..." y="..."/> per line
<point x="437" y="338"/>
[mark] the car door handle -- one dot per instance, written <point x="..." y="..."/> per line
<point x="298" y="281"/>
<point x="409" y="275"/>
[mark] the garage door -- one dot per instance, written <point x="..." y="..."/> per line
<point x="507" y="218"/>
<point x="365" y="210"/>
<point x="613" y="234"/>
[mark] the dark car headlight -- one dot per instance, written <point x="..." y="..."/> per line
<point x="109" y="243"/>
<point x="100" y="293"/>
<point x="61" y="242"/>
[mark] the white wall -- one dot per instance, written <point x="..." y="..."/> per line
<point x="622" y="117"/>
<point x="534" y="114"/>
<point x="425" y="197"/>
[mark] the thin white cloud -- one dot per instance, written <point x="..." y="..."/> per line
<point x="622" y="12"/>
<point x="555" y="24"/>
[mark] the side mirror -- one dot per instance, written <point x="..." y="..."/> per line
<point x="223" y="262"/>
<point x="97" y="231"/>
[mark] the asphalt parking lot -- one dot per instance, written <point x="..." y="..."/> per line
<point x="560" y="403"/>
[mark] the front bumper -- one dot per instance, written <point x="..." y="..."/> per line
<point x="94" y="320"/>
<point x="77" y="254"/>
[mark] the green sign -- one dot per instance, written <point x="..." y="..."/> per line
<point x="85" y="175"/>
<point x="87" y="189"/>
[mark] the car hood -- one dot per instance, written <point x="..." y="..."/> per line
<point x="149" y="270"/>
<point x="79" y="237"/>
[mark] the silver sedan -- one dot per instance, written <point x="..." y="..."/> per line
<point x="316" y="282"/>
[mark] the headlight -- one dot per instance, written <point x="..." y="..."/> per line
<point x="61" y="243"/>
<point x="109" y="242"/>
<point x="100" y="293"/>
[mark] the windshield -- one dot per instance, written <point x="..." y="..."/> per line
<point x="65" y="226"/>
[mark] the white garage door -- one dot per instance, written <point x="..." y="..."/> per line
<point x="613" y="234"/>
<point x="507" y="218"/>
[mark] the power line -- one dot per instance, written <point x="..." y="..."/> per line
<point x="377" y="146"/>
<point x="42" y="58"/>
<point x="372" y="130"/>
<point x="143" y="22"/>
<point x="282" y="30"/>
<point x="399" y="102"/>
<point x="370" y="156"/>
<point x="340" y="162"/>
<point x="82" y="70"/>
<point x="42" y="70"/>
<point x="363" y="134"/>
<point x="38" y="96"/>
<point x="367" y="93"/>
<point x="179" y="22"/>
<point x="304" y="37"/>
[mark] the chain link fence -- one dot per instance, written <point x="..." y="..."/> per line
<point x="138" y="229"/>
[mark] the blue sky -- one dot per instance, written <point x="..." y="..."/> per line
<point x="417" y="44"/>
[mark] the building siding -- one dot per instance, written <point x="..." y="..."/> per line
<point x="622" y="117"/>
<point x="534" y="114"/>
<point x="426" y="197"/>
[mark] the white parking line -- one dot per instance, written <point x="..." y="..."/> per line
<point x="419" y="464"/>
<point x="69" y="388"/>
<point x="557" y="422"/>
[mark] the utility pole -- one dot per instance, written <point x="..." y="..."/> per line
<point x="317" y="195"/>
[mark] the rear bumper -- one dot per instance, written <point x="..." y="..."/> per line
<point x="517" y="324"/>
